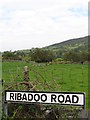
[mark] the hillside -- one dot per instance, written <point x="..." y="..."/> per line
<point x="67" y="50"/>
<point x="78" y="44"/>
<point x="73" y="44"/>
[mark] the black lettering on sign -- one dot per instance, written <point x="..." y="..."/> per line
<point x="53" y="98"/>
<point x="19" y="96"/>
<point x="43" y="97"/>
<point x="30" y="97"/>
<point x="75" y="99"/>
<point x="36" y="97"/>
<point x="24" y="97"/>
<point x="61" y="98"/>
<point x="11" y="96"/>
<point x="68" y="99"/>
<point x="15" y="96"/>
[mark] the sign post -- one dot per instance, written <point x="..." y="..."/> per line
<point x="60" y="98"/>
<point x="6" y="109"/>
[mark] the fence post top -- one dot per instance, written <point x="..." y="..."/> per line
<point x="26" y="68"/>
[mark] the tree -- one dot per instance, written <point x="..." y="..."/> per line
<point x="71" y="56"/>
<point x="84" y="56"/>
<point x="8" y="55"/>
<point x="40" y="55"/>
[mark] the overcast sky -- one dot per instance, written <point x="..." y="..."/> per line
<point x="36" y="23"/>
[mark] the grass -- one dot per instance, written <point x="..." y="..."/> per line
<point x="67" y="77"/>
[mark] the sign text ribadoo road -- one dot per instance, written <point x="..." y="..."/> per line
<point x="63" y="98"/>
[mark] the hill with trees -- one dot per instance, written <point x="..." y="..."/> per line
<point x="71" y="50"/>
<point x="72" y="44"/>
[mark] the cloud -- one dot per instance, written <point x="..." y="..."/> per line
<point x="36" y="23"/>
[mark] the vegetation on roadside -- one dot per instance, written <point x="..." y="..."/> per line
<point x="45" y="77"/>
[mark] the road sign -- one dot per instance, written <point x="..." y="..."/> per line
<point x="62" y="98"/>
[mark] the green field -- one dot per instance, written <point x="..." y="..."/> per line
<point x="60" y="77"/>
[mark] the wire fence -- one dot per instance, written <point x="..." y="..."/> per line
<point x="62" y="79"/>
<point x="43" y="77"/>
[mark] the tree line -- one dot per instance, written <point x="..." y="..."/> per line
<point x="40" y="55"/>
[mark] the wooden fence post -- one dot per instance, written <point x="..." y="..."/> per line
<point x="26" y="76"/>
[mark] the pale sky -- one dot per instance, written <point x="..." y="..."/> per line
<point x="37" y="23"/>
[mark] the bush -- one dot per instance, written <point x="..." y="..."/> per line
<point x="40" y="55"/>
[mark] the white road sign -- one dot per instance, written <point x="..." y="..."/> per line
<point x="62" y="98"/>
